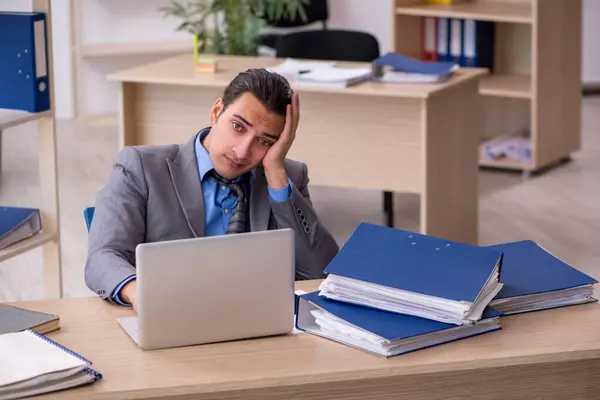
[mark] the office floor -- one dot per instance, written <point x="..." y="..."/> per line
<point x="560" y="209"/>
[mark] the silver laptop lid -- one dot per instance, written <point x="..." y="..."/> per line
<point x="214" y="289"/>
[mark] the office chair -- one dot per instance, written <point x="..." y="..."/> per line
<point x="336" y="45"/>
<point x="316" y="11"/>
<point x="339" y="45"/>
<point x="88" y="214"/>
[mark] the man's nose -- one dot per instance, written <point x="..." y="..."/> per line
<point x="242" y="149"/>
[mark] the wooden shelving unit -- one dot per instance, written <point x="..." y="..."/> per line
<point x="535" y="85"/>
<point x="49" y="238"/>
<point x="499" y="11"/>
<point x="132" y="49"/>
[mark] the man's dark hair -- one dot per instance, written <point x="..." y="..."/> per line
<point x="272" y="89"/>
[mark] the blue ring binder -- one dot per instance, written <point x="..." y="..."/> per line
<point x="96" y="374"/>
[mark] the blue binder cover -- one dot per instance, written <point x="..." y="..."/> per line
<point x="24" y="77"/>
<point x="390" y="326"/>
<point x="12" y="217"/>
<point x="415" y="262"/>
<point x="478" y="44"/>
<point x="529" y="269"/>
<point x="443" y="39"/>
<point x="403" y="63"/>
<point x="455" y="48"/>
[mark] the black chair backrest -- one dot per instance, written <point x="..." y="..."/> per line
<point x="341" y="45"/>
<point x="316" y="11"/>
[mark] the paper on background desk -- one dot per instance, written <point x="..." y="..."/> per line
<point x="291" y="68"/>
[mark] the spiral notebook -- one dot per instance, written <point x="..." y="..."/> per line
<point x="32" y="364"/>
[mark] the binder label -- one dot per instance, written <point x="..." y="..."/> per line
<point x="39" y="34"/>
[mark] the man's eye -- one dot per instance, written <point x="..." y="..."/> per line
<point x="264" y="142"/>
<point x="236" y="126"/>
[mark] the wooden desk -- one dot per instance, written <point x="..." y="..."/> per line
<point x="390" y="137"/>
<point x="552" y="354"/>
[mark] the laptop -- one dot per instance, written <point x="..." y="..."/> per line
<point x="213" y="289"/>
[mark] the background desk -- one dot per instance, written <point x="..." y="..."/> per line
<point x="399" y="138"/>
<point x="547" y="355"/>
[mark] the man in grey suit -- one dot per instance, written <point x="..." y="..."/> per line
<point x="229" y="178"/>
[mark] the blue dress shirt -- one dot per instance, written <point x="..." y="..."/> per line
<point x="219" y="202"/>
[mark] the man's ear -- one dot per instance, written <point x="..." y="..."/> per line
<point x="216" y="110"/>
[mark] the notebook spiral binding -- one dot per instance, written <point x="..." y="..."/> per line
<point x="52" y="342"/>
<point x="96" y="374"/>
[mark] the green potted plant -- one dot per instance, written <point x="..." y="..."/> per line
<point x="230" y="26"/>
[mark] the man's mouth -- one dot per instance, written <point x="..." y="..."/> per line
<point x="235" y="164"/>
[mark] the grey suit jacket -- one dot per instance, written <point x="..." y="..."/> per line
<point x="154" y="194"/>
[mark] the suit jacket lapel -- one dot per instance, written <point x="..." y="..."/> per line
<point x="260" y="207"/>
<point x="186" y="181"/>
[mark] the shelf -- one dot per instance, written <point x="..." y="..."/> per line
<point x="505" y="163"/>
<point x="516" y="86"/>
<point x="10" y="118"/>
<point x="132" y="49"/>
<point x="498" y="12"/>
<point x="26" y="245"/>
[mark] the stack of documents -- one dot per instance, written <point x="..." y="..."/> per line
<point x="334" y="77"/>
<point x="380" y="332"/>
<point x="32" y="364"/>
<point x="291" y="68"/>
<point x="398" y="68"/>
<point x="414" y="274"/>
<point x="534" y="279"/>
<point x="321" y="73"/>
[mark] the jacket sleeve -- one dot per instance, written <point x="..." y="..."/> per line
<point x="118" y="225"/>
<point x="315" y="246"/>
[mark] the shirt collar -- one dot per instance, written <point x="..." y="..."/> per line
<point x="204" y="163"/>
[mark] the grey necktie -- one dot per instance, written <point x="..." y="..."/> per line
<point x="239" y="216"/>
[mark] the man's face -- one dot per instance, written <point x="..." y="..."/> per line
<point x="241" y="135"/>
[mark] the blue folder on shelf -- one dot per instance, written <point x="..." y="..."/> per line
<point x="24" y="77"/>
<point x="380" y="332"/>
<point x="478" y="44"/>
<point x="534" y="280"/>
<point x="414" y="274"/>
<point x="18" y="223"/>
<point x="396" y="67"/>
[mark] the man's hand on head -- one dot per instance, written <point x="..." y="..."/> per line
<point x="274" y="160"/>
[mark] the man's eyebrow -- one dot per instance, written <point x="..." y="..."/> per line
<point x="244" y="120"/>
<point x="270" y="135"/>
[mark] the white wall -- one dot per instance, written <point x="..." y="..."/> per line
<point x="372" y="16"/>
<point x="591" y="42"/>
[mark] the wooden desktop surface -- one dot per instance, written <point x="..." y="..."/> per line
<point x="552" y="354"/>
<point x="179" y="70"/>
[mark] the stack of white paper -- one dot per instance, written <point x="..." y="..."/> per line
<point x="380" y="332"/>
<point x="368" y="294"/>
<point x="334" y="77"/>
<point x="32" y="364"/>
<point x="540" y="301"/>
<point x="290" y="68"/>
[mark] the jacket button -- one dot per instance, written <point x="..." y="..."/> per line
<point x="307" y="229"/>
<point x="299" y="211"/>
